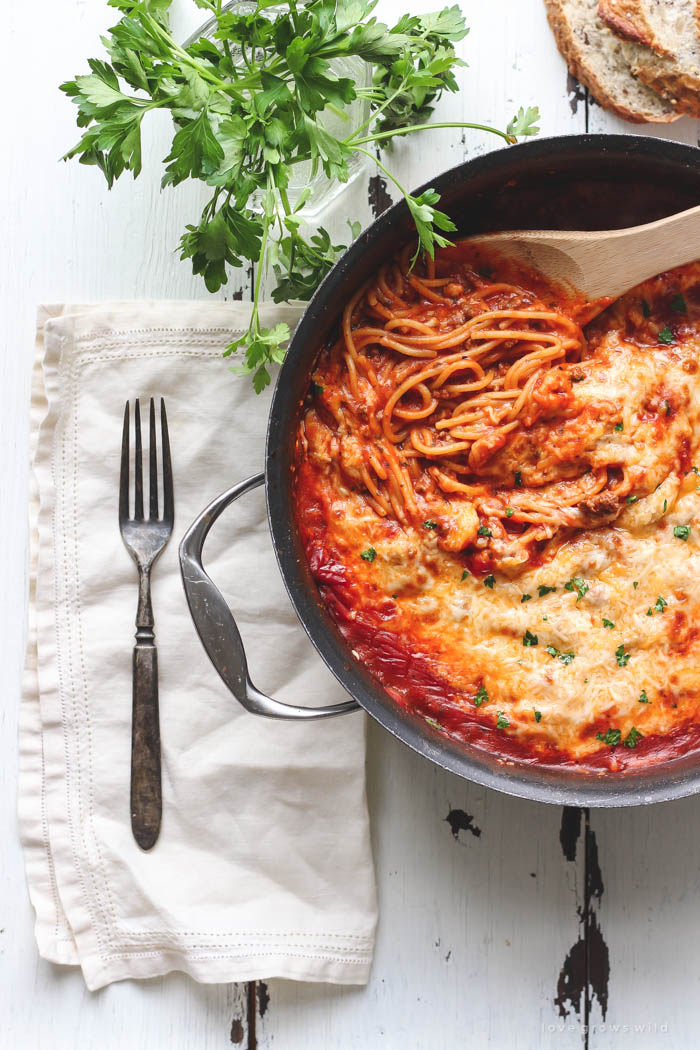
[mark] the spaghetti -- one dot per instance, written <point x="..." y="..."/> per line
<point x="436" y="379"/>
<point x="502" y="511"/>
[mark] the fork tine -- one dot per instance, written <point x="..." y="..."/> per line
<point x="138" y="466"/>
<point x="168" y="503"/>
<point x="124" y="470"/>
<point x="153" y="467"/>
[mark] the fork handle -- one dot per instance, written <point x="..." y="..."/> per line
<point x="146" y="794"/>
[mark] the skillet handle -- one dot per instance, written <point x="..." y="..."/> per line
<point x="216" y="626"/>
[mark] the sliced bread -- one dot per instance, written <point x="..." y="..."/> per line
<point x="601" y="61"/>
<point x="670" y="61"/>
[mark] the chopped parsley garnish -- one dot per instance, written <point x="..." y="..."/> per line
<point x="538" y="716"/>
<point x="484" y="530"/>
<point x="678" y="304"/>
<point x="681" y="532"/>
<point x="643" y="698"/>
<point x="633" y="737"/>
<point x="611" y="737"/>
<point x="632" y="499"/>
<point x="509" y="512"/>
<point x="542" y="590"/>
<point x="489" y="581"/>
<point x="518" y="479"/>
<point x="608" y="623"/>
<point x="481" y="696"/>
<point x="316" y="388"/>
<point x="646" y="309"/>
<point x="666" y="336"/>
<point x="502" y="722"/>
<point x="665" y="505"/>
<point x="530" y="639"/>
<point x="556" y="654"/>
<point x="621" y="656"/>
<point x="635" y="584"/>
<point x="369" y="555"/>
<point x="577" y="379"/>
<point x="429" y="524"/>
<point x="432" y="722"/>
<point x="464" y="575"/>
<point x="578" y="584"/>
<point x="650" y="611"/>
<point x="526" y="598"/>
<point x="660" y="604"/>
<point x="619" y="426"/>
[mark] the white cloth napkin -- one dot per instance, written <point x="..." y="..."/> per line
<point x="263" y="867"/>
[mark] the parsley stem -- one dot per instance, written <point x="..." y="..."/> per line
<point x="352" y="142"/>
<point x="356" y="148"/>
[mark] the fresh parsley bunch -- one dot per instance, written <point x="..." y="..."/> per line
<point x="248" y="106"/>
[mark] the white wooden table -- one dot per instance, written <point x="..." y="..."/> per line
<point x="503" y="923"/>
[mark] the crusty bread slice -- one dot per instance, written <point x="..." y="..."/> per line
<point x="670" y="61"/>
<point x="601" y="61"/>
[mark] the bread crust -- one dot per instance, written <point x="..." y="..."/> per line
<point x="623" y="18"/>
<point x="575" y="57"/>
<point x="680" y="89"/>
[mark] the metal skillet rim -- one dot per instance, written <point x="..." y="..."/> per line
<point x="554" y="785"/>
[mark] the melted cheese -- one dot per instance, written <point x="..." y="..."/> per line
<point x="629" y="568"/>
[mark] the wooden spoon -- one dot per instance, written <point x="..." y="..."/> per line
<point x="602" y="264"/>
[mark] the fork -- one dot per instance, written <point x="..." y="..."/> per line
<point x="145" y="539"/>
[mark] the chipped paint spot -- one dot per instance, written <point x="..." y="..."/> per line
<point x="461" y="821"/>
<point x="237" y="1031"/>
<point x="238" y="295"/>
<point x="570" y="830"/>
<point x="263" y="997"/>
<point x="585" y="975"/>
<point x="378" y="195"/>
<point x="576" y="93"/>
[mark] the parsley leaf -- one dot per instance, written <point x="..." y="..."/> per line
<point x="481" y="696"/>
<point x="643" y="698"/>
<point x="681" y="532"/>
<point x="556" y="654"/>
<point x="509" y="512"/>
<point x="619" y="426"/>
<point x="484" y="530"/>
<point x="542" y="590"/>
<point x="369" y="555"/>
<point x="666" y="336"/>
<point x="489" y="581"/>
<point x="646" y="309"/>
<point x="430" y="524"/>
<point x="518" y="479"/>
<point x="538" y="716"/>
<point x="612" y="737"/>
<point x="524" y="122"/>
<point x="621" y="656"/>
<point x="465" y="573"/>
<point x="678" y="304"/>
<point x="502" y="722"/>
<point x="578" y="584"/>
<point x="633" y="737"/>
<point x="608" y="623"/>
<point x="530" y="639"/>
<point x="660" y="604"/>
<point x="526" y="598"/>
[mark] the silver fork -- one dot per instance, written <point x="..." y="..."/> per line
<point x="145" y="539"/>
